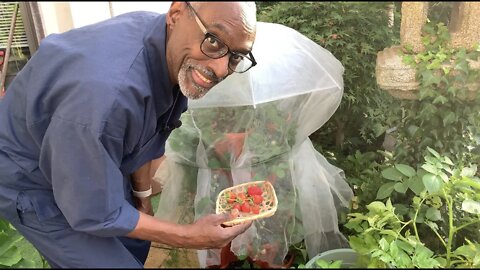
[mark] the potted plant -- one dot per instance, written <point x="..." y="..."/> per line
<point x="436" y="227"/>
<point x="335" y="258"/>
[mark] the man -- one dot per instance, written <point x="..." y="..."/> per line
<point x="81" y="122"/>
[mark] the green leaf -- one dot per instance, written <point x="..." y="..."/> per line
<point x="408" y="59"/>
<point x="401" y="187"/>
<point x="376" y="206"/>
<point x="336" y="264"/>
<point x="8" y="240"/>
<point x="412" y="129"/>
<point x="432" y="225"/>
<point x="405" y="246"/>
<point x="401" y="209"/>
<point x="448" y="161"/>
<point x="384" y="245"/>
<point x="11" y="257"/>
<point x="416" y="185"/>
<point x="443" y="176"/>
<point x="435" y="153"/>
<point x="432" y="182"/>
<point x="440" y="99"/>
<point x="470" y="206"/>
<point x="389" y="232"/>
<point x="433" y="214"/>
<point x="447" y="120"/>
<point x="385" y="190"/>
<point x="406" y="170"/>
<point x="392" y="174"/>
<point x="469" y="171"/>
<point x="24" y="263"/>
<point x="321" y="263"/>
<point x="430" y="168"/>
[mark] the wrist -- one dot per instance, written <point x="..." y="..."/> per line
<point x="142" y="194"/>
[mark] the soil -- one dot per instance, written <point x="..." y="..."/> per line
<point x="161" y="256"/>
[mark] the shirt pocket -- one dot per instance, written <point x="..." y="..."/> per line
<point x="38" y="211"/>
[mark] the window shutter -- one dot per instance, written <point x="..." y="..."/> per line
<point x="19" y="35"/>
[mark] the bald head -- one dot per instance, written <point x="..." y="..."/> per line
<point x="246" y="10"/>
<point x="207" y="41"/>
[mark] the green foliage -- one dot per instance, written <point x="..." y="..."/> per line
<point x="363" y="171"/>
<point x="447" y="114"/>
<point x="354" y="36"/>
<point x="445" y="203"/>
<point x="13" y="247"/>
<point x="328" y="264"/>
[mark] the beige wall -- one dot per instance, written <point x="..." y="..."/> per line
<point x="59" y="17"/>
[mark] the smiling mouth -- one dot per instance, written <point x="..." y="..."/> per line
<point x="202" y="77"/>
<point x="200" y="80"/>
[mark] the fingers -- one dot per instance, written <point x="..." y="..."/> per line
<point x="239" y="228"/>
<point x="218" y="219"/>
<point x="210" y="233"/>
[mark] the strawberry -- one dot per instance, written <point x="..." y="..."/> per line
<point x="231" y="197"/>
<point x="257" y="199"/>
<point x="256" y="209"/>
<point x="245" y="207"/>
<point x="237" y="206"/>
<point x="254" y="190"/>
<point x="241" y="197"/>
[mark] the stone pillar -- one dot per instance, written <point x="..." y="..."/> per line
<point x="394" y="76"/>
<point x="414" y="16"/>
<point x="398" y="78"/>
<point x="465" y="25"/>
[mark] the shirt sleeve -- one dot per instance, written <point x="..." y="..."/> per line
<point x="83" y="166"/>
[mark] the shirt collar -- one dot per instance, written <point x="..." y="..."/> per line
<point x="155" y="42"/>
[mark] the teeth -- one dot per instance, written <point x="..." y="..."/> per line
<point x="202" y="77"/>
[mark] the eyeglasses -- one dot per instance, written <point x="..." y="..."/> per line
<point x="214" y="48"/>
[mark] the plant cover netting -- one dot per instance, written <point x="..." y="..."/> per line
<point x="255" y="126"/>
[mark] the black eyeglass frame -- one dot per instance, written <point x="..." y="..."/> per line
<point x="207" y="34"/>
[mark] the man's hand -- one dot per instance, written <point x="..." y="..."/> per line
<point x="208" y="232"/>
<point x="144" y="205"/>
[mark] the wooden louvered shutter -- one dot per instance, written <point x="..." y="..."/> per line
<point x="19" y="35"/>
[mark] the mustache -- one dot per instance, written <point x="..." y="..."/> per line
<point x="211" y="75"/>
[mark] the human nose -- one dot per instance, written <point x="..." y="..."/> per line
<point x="220" y="66"/>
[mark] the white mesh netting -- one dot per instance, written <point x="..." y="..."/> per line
<point x="255" y="126"/>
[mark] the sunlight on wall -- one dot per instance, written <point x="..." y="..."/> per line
<point x="59" y="17"/>
<point x="124" y="7"/>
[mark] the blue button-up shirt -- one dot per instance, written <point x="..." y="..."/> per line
<point x="88" y="109"/>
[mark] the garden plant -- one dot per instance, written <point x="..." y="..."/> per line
<point x="416" y="205"/>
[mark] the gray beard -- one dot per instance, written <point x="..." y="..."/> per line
<point x="195" y="91"/>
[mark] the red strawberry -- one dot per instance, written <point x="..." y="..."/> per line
<point x="241" y="197"/>
<point x="231" y="197"/>
<point x="237" y="206"/>
<point x="256" y="209"/>
<point x="245" y="207"/>
<point x="254" y="190"/>
<point x="257" y="199"/>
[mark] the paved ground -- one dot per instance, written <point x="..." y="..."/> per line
<point x="161" y="256"/>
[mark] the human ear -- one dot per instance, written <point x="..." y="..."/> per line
<point x="173" y="14"/>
